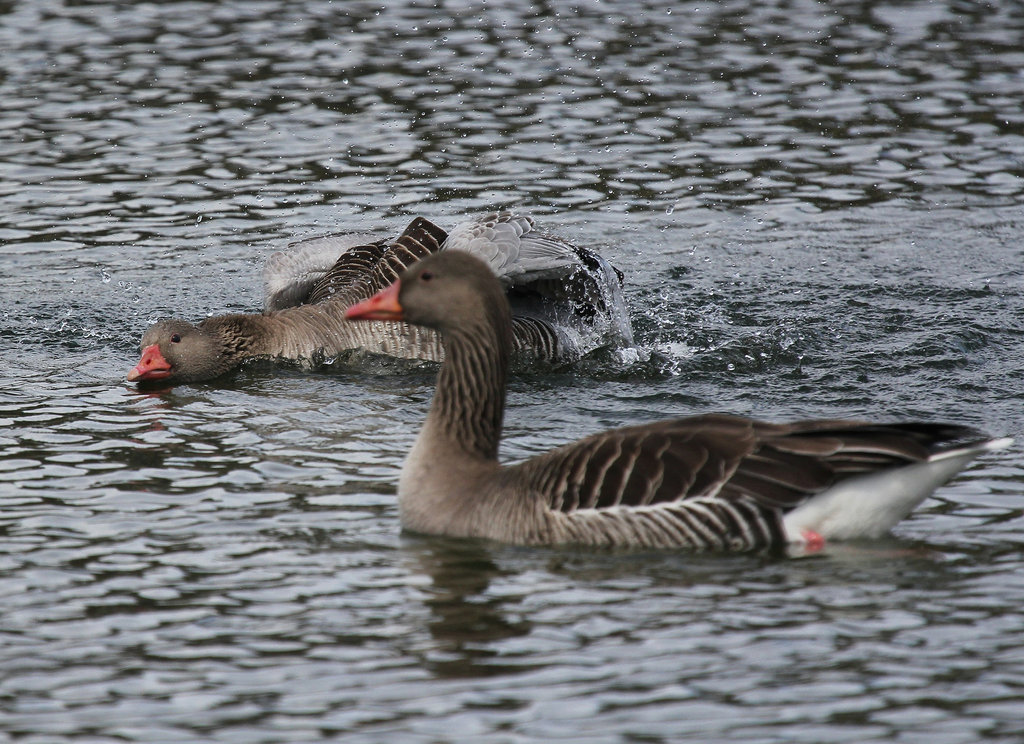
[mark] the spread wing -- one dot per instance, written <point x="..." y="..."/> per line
<point x="346" y="268"/>
<point x="510" y="244"/>
<point x="289" y="275"/>
<point x="421" y="238"/>
<point x="544" y="276"/>
<point x="565" y="299"/>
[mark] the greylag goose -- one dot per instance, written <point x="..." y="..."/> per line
<point x="567" y="302"/>
<point x="708" y="482"/>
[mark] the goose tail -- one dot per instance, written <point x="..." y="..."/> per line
<point x="869" y="506"/>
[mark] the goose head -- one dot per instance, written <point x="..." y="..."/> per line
<point x="448" y="292"/>
<point x="175" y="351"/>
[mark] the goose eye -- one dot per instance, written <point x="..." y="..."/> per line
<point x="175" y="338"/>
<point x="426" y="276"/>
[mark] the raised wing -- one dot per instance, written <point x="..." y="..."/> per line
<point x="358" y="268"/>
<point x="289" y="275"/>
<point x="515" y="251"/>
<point x="546" y="277"/>
<point x="421" y="238"/>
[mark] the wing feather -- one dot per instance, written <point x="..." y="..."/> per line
<point x="724" y="458"/>
<point x="347" y="280"/>
<point x="290" y="274"/>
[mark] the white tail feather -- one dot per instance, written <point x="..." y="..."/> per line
<point x="868" y="506"/>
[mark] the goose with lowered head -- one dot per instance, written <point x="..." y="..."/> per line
<point x="708" y="482"/>
<point x="567" y="302"/>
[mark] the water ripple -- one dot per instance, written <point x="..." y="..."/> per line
<point x="817" y="211"/>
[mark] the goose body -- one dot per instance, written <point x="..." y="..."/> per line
<point x="709" y="482"/>
<point x="567" y="301"/>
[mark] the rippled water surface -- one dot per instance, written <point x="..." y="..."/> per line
<point x="819" y="210"/>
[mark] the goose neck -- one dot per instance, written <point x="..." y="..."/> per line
<point x="240" y="336"/>
<point x="469" y="403"/>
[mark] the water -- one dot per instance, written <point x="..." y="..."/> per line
<point x="818" y="209"/>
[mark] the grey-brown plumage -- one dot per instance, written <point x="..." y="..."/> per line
<point x="559" y="289"/>
<point x="710" y="482"/>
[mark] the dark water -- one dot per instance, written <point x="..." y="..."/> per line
<point x="819" y="209"/>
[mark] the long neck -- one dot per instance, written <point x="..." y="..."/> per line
<point x="300" y="332"/>
<point x="294" y="333"/>
<point x="309" y="330"/>
<point x="238" y="336"/>
<point x="470" y="400"/>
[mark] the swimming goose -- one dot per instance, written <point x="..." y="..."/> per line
<point x="708" y="482"/>
<point x="567" y="300"/>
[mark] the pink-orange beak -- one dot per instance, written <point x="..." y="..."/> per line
<point x="152" y="366"/>
<point x="382" y="306"/>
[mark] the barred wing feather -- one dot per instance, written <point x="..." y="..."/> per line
<point x="289" y="275"/>
<point x="359" y="268"/>
<point x="715" y="481"/>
